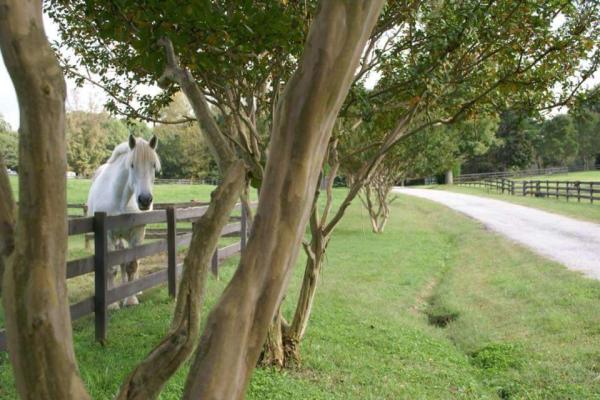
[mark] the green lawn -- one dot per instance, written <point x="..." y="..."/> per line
<point x="585" y="176"/>
<point x="583" y="210"/>
<point x="516" y="326"/>
<point x="77" y="191"/>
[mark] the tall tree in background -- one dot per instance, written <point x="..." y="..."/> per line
<point x="586" y="118"/>
<point x="183" y="150"/>
<point x="91" y="138"/>
<point x="514" y="147"/>
<point x="556" y="144"/>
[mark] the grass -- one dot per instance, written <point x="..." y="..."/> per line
<point x="584" y="176"/>
<point x="583" y="211"/>
<point x="521" y="327"/>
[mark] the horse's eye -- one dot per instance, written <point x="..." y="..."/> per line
<point x="154" y="166"/>
<point x="131" y="165"/>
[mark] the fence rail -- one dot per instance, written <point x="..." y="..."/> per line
<point x="103" y="259"/>
<point x="522" y="173"/>
<point x="510" y="174"/>
<point x="570" y="190"/>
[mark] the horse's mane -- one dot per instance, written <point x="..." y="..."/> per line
<point x="141" y="153"/>
<point x="118" y="152"/>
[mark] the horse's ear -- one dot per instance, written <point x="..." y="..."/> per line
<point x="131" y="142"/>
<point x="153" y="142"/>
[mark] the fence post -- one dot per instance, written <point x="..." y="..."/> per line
<point x="592" y="192"/>
<point x="538" y="189"/>
<point x="243" y="228"/>
<point x="557" y="189"/>
<point x="512" y="187"/>
<point x="100" y="275"/>
<point x="578" y="192"/>
<point x="172" y="251"/>
<point x="524" y="188"/>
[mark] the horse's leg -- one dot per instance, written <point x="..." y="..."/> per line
<point x="113" y="244"/>
<point x="135" y="239"/>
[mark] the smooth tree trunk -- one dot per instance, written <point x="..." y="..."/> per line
<point x="237" y="327"/>
<point x="149" y="377"/>
<point x="449" y="177"/>
<point x="37" y="319"/>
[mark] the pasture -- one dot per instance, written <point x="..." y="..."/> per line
<point x="434" y="308"/>
<point x="583" y="176"/>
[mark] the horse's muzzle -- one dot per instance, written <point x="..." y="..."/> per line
<point x="144" y="201"/>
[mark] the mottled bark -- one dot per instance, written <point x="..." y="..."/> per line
<point x="38" y="322"/>
<point x="274" y="351"/>
<point x="236" y="328"/>
<point x="149" y="377"/>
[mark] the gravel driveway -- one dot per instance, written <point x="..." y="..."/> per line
<point x="573" y="243"/>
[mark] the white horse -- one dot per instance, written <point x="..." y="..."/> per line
<point x="124" y="185"/>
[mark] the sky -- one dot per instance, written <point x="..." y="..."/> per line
<point x="88" y="97"/>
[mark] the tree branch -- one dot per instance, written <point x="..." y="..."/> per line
<point x="220" y="147"/>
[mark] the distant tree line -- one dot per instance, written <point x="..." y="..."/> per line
<point x="523" y="141"/>
<point x="91" y="138"/>
<point x="8" y="145"/>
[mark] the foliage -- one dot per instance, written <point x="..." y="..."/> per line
<point x="517" y="132"/>
<point x="9" y="141"/>
<point x="239" y="52"/>
<point x="91" y="138"/>
<point x="586" y="118"/>
<point x="182" y="149"/>
<point x="487" y="57"/>
<point x="557" y="141"/>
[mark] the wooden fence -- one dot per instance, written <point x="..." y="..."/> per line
<point x="570" y="190"/>
<point x="521" y="173"/>
<point x="509" y="174"/>
<point x="151" y="233"/>
<point x="103" y="259"/>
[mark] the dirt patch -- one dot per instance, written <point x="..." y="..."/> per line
<point x="422" y="299"/>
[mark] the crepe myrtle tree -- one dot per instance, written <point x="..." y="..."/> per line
<point x="239" y="54"/>
<point x="34" y="291"/>
<point x="428" y="152"/>
<point x="448" y="61"/>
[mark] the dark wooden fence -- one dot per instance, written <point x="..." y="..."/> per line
<point x="509" y="174"/>
<point x="569" y="190"/>
<point x="103" y="259"/>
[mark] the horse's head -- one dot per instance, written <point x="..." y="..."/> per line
<point x="143" y="162"/>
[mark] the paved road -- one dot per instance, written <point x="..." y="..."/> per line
<point x="574" y="243"/>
